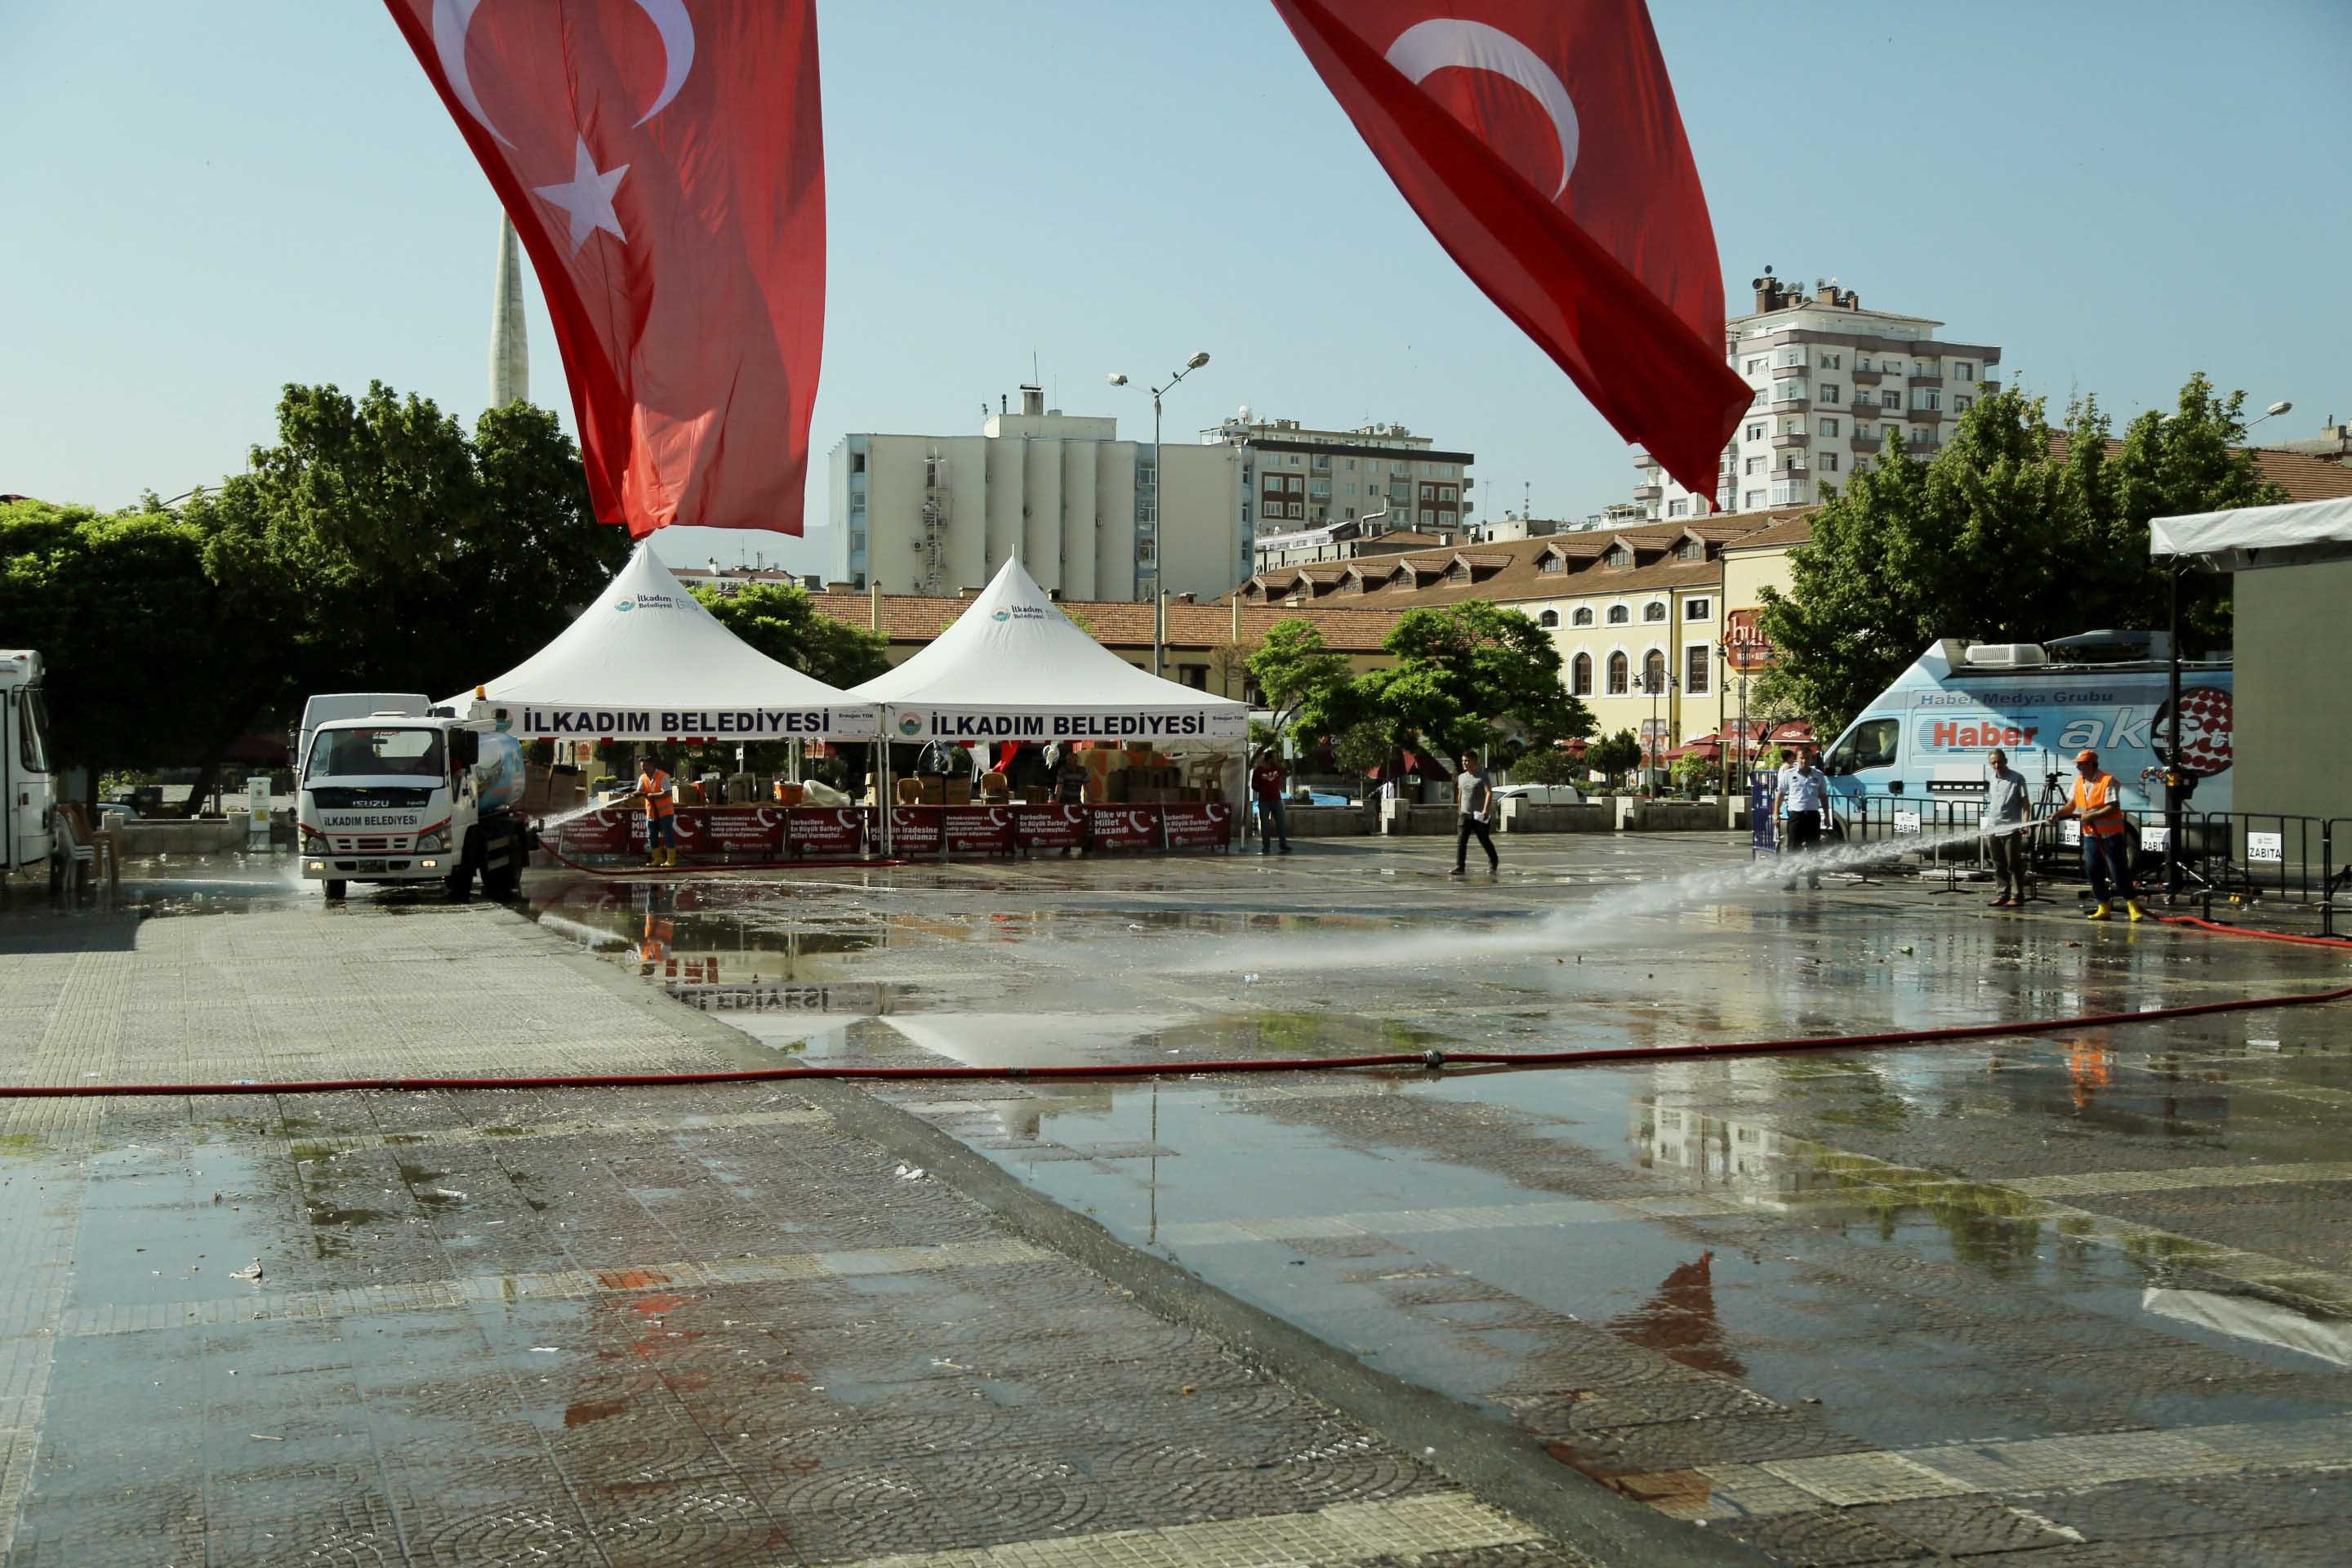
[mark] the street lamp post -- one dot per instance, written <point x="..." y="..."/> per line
<point x="1118" y="378"/>
<point x="2173" y="776"/>
<point x="1657" y="683"/>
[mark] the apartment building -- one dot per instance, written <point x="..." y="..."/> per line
<point x="1834" y="383"/>
<point x="1091" y="516"/>
<point x="1295" y="478"/>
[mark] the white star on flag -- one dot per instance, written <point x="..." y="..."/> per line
<point x="588" y="198"/>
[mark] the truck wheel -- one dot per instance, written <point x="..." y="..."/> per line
<point x="333" y="887"/>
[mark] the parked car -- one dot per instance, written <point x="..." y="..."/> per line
<point x="1540" y="794"/>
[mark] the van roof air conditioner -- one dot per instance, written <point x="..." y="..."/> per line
<point x="2007" y="655"/>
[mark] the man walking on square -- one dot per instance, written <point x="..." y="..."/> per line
<point x="1798" y="794"/>
<point x="1474" y="800"/>
<point x="2004" y="828"/>
<point x="1267" y="781"/>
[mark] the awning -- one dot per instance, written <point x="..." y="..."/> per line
<point x="647" y="662"/>
<point x="1014" y="668"/>
<point x="2249" y="538"/>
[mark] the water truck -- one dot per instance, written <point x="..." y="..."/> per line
<point x="400" y="797"/>
<point x="1926" y="736"/>
<point x="28" y="785"/>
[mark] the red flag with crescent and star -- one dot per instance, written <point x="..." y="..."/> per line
<point x="1540" y="143"/>
<point x="664" y="164"/>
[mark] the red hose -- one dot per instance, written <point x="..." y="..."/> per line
<point x="2217" y="928"/>
<point x="1165" y="1069"/>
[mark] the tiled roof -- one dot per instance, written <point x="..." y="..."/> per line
<point x="1510" y="570"/>
<point x="1117" y="623"/>
<point x="2300" y="475"/>
<point x="1790" y="526"/>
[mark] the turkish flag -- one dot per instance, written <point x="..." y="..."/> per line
<point x="1540" y="143"/>
<point x="664" y="167"/>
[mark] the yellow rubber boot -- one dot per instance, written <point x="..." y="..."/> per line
<point x="2138" y="914"/>
<point x="2100" y="913"/>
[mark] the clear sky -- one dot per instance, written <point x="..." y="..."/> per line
<point x="202" y="202"/>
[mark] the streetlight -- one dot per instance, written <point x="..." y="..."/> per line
<point x="1118" y="378"/>
<point x="1657" y="683"/>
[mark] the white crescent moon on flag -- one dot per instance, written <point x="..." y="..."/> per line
<point x="1443" y="41"/>
<point x="453" y="18"/>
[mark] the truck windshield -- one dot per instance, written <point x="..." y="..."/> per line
<point x="1870" y="745"/>
<point x="33" y="717"/>
<point x="375" y="753"/>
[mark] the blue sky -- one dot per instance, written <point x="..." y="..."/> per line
<point x="204" y="202"/>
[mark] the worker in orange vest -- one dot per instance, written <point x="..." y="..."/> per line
<point x="2106" y="838"/>
<point x="654" y="788"/>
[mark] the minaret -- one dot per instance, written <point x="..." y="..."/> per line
<point x="510" y="348"/>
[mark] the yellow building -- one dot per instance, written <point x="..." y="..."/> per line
<point x="1636" y="612"/>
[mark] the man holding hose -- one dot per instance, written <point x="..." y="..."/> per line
<point x="2004" y="828"/>
<point x="2107" y="839"/>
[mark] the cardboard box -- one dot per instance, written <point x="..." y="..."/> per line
<point x="959" y="792"/>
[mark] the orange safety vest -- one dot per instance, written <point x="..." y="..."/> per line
<point x="655" y="787"/>
<point x="2093" y="796"/>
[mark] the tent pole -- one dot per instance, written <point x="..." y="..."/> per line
<point x="882" y="777"/>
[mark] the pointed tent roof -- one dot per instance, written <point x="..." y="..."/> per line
<point x="647" y="661"/>
<point x="1013" y="665"/>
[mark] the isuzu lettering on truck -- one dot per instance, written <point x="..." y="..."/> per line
<point x="395" y="798"/>
<point x="1926" y="737"/>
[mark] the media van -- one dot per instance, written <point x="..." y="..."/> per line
<point x="1926" y="737"/>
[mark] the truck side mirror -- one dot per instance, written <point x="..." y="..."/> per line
<point x="465" y="749"/>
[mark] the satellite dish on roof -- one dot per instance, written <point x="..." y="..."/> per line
<point x="1245" y="413"/>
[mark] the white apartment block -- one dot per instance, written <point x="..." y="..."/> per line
<point x="1089" y="515"/>
<point x="1295" y="479"/>
<point x="1834" y="383"/>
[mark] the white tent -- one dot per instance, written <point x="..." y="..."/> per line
<point x="2257" y="536"/>
<point x="1014" y="668"/>
<point x="647" y="662"/>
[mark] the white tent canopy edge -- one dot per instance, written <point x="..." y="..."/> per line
<point x="647" y="662"/>
<point x="2250" y="538"/>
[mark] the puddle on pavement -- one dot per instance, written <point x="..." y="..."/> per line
<point x="173" y="1223"/>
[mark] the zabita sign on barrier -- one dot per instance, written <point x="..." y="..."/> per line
<point x="1906" y="822"/>
<point x="2151" y="840"/>
<point x="2268" y="846"/>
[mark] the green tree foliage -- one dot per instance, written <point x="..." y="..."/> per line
<point x="1295" y="667"/>
<point x="120" y="608"/>
<point x="1547" y="765"/>
<point x="2002" y="539"/>
<point x="782" y="621"/>
<point x="1463" y="677"/>
<point x="1616" y="756"/>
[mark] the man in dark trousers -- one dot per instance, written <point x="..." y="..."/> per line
<point x="1799" y="794"/>
<point x="1267" y="780"/>
<point x="1474" y="800"/>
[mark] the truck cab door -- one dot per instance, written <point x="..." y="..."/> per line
<point x="1865" y="761"/>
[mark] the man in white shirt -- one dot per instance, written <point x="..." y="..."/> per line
<point x="1799" y="794"/>
<point x="1474" y="800"/>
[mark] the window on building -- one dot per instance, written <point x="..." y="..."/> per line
<point x="1549" y="620"/>
<point x="1427" y="517"/>
<point x="1320" y="487"/>
<point x="1617" y="673"/>
<point x="1581" y="617"/>
<point x="1922" y="436"/>
<point x="1757" y="401"/>
<point x="1753" y="500"/>
<point x="1695" y="671"/>
<point x="1692" y="550"/>
<point x="1829" y="428"/>
<point x="1863" y="364"/>
<point x="1755" y="466"/>
<point x="1890" y="398"/>
<point x="856" y="462"/>
<point x="1963" y="371"/>
<point x="1962" y="405"/>
<point x="1787" y="391"/>
<point x="1697" y="609"/>
<point x="1295" y="509"/>
<point x="1677" y="508"/>
<point x="1653" y="671"/>
<point x="1832" y="393"/>
<point x="1551" y="563"/>
<point x="1928" y="397"/>
<point x="1829" y="462"/>
<point x="1621" y="556"/>
<point x="1581" y="676"/>
<point x="1655" y="610"/>
<point x="1892" y="367"/>
<point x="1755" y="432"/>
<point x="1323" y="460"/>
<point x="1890" y="431"/>
<point x="1292" y="460"/>
<point x="1754" y="365"/>
<point x="1831" y="362"/>
<point x="1619" y="615"/>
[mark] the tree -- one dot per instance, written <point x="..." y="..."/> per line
<point x="782" y="621"/>
<point x="1232" y="662"/>
<point x="1999" y="538"/>
<point x="1547" y="765"/>
<point x="1616" y="756"/>
<point x="129" y="627"/>
<point x="1295" y="668"/>
<point x="1465" y="676"/>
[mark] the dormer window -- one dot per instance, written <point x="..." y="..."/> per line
<point x="1552" y="563"/>
<point x="1694" y="550"/>
<point x="1621" y="556"/>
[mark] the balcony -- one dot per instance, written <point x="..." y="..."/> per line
<point x="1923" y="448"/>
<point x="1991" y="386"/>
<point x="1861" y="442"/>
<point x="1864" y="405"/>
<point x="1925" y="415"/>
<point x="1789" y="406"/>
<point x="1790" y="471"/>
<point x="1927" y="378"/>
<point x="1648" y="492"/>
<point x="1865" y="377"/>
<point x="1791" y="438"/>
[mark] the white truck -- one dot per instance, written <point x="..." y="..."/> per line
<point x="29" y="786"/>
<point x="398" y="797"/>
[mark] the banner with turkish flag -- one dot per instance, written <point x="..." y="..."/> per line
<point x="665" y="168"/>
<point x="1540" y="143"/>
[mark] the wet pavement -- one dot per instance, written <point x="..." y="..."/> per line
<point x="2077" y="1299"/>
